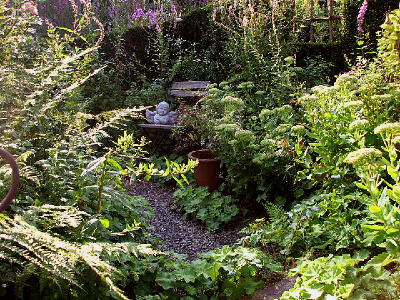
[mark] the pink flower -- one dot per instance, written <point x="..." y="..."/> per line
<point x="361" y="16"/>
<point x="274" y="5"/>
<point x="31" y="6"/>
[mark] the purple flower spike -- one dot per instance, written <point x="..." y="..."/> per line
<point x="361" y="16"/>
<point x="139" y="13"/>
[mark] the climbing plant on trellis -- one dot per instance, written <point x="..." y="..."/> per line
<point x="331" y="17"/>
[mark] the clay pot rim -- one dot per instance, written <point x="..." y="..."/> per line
<point x="192" y="155"/>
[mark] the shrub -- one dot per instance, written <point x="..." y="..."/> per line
<point x="252" y="141"/>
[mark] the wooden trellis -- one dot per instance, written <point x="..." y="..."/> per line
<point x="331" y="18"/>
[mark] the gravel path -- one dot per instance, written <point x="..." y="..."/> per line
<point x="181" y="236"/>
<point x="189" y="237"/>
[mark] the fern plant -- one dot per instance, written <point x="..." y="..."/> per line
<point x="277" y="230"/>
<point x="27" y="252"/>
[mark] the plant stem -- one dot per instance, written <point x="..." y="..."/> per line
<point x="101" y="186"/>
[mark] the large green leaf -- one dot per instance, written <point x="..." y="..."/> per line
<point x="392" y="247"/>
<point x="166" y="280"/>
<point x="251" y="285"/>
<point x="379" y="260"/>
<point x="187" y="274"/>
<point x="214" y="271"/>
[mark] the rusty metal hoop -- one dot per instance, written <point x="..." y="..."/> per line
<point x="15" y="179"/>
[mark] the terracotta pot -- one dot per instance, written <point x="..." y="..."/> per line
<point x="208" y="169"/>
<point x="15" y="179"/>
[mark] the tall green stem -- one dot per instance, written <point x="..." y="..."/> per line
<point x="101" y="185"/>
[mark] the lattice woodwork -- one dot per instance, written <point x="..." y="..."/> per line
<point x="331" y="18"/>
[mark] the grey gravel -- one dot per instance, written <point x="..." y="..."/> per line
<point x="182" y="236"/>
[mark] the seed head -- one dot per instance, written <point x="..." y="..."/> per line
<point x="388" y="128"/>
<point x="358" y="125"/>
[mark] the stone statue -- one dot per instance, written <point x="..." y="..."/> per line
<point x="162" y="115"/>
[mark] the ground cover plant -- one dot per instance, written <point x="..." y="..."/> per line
<point x="322" y="159"/>
<point x="212" y="209"/>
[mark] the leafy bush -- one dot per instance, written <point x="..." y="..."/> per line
<point x="252" y="141"/>
<point x="159" y="163"/>
<point x="57" y="143"/>
<point x="356" y="103"/>
<point x="366" y="274"/>
<point x="374" y="17"/>
<point x="212" y="209"/>
<point x="388" y="44"/>
<point x="29" y="254"/>
<point x="227" y="273"/>
<point x="360" y="114"/>
<point x="323" y="223"/>
<point x="344" y="277"/>
<point x="148" y="94"/>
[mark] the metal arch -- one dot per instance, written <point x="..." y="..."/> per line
<point x="15" y="179"/>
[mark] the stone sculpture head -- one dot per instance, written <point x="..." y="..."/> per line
<point x="162" y="115"/>
<point x="162" y="108"/>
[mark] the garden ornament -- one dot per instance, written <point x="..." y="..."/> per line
<point x="162" y="115"/>
<point x="15" y="179"/>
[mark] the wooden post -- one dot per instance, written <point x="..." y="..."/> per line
<point x="294" y="15"/>
<point x="311" y="20"/>
<point x="331" y="20"/>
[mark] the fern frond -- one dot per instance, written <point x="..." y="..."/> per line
<point x="27" y="248"/>
<point x="52" y="217"/>
<point x="114" y="119"/>
<point x="275" y="212"/>
<point x="117" y="118"/>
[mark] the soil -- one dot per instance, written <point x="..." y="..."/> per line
<point x="274" y="291"/>
<point x="191" y="238"/>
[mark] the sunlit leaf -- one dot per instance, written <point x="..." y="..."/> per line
<point x="93" y="165"/>
<point x="375" y="209"/>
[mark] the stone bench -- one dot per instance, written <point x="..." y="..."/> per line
<point x="188" y="91"/>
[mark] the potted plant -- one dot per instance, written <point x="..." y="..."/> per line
<point x="208" y="170"/>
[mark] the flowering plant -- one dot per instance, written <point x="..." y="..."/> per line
<point x="253" y="147"/>
<point x="31" y="7"/>
<point x="361" y="16"/>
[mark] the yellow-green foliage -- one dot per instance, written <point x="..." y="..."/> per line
<point x="389" y="43"/>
